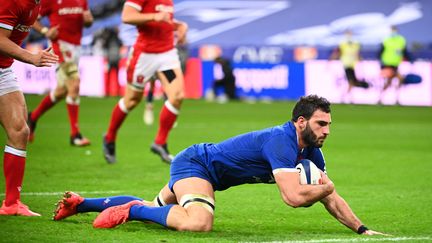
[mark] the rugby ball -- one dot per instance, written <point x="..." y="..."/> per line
<point x="309" y="172"/>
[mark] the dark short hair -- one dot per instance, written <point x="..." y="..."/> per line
<point x="307" y="105"/>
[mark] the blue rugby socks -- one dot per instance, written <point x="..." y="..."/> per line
<point x="100" y="204"/>
<point x="155" y="214"/>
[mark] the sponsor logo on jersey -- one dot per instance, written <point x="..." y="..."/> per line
<point x="23" y="28"/>
<point x="164" y="8"/>
<point x="74" y="10"/>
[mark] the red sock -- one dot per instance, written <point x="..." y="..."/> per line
<point x="73" y="110"/>
<point x="43" y="106"/>
<point x="13" y="169"/>
<point x="166" y="121"/>
<point x="117" y="118"/>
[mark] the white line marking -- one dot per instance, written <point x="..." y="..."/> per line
<point x="381" y="239"/>
<point x="61" y="193"/>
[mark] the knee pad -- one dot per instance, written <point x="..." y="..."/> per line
<point x="199" y="200"/>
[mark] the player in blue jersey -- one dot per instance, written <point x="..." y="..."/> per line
<point x="265" y="156"/>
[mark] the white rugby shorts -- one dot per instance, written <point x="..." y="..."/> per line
<point x="8" y="81"/>
<point x="68" y="51"/>
<point x="68" y="68"/>
<point x="142" y="66"/>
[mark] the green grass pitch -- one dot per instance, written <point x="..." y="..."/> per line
<point x="379" y="157"/>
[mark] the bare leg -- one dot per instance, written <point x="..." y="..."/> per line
<point x="13" y="117"/>
<point x="195" y="217"/>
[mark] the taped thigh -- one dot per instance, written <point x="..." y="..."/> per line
<point x="169" y="75"/>
<point x="198" y="200"/>
<point x="169" y="61"/>
<point x="67" y="71"/>
<point x="158" y="201"/>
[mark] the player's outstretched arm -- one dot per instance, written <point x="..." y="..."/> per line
<point x="9" y="48"/>
<point x="297" y="195"/>
<point x="340" y="209"/>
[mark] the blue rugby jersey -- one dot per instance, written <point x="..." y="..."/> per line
<point x="255" y="156"/>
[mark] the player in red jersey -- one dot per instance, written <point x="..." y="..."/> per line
<point x="16" y="19"/>
<point x="67" y="18"/>
<point x="153" y="53"/>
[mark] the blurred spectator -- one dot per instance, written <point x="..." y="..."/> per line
<point x="226" y="81"/>
<point x="348" y="52"/>
<point x="110" y="44"/>
<point x="101" y="9"/>
<point x="183" y="52"/>
<point x="98" y="43"/>
<point x="392" y="51"/>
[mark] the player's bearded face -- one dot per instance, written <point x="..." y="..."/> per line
<point x="310" y="138"/>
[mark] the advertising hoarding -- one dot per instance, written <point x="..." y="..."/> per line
<point x="38" y="80"/>
<point x="327" y="78"/>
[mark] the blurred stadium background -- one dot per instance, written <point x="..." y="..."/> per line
<point x="278" y="48"/>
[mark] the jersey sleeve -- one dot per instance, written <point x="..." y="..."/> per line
<point x="8" y="16"/>
<point x="85" y="5"/>
<point x="136" y="4"/>
<point x="280" y="154"/>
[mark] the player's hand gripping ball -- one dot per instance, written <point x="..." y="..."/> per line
<point x="309" y="172"/>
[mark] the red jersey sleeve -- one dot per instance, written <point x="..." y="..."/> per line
<point x="8" y="15"/>
<point x="46" y="8"/>
<point x="85" y="5"/>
